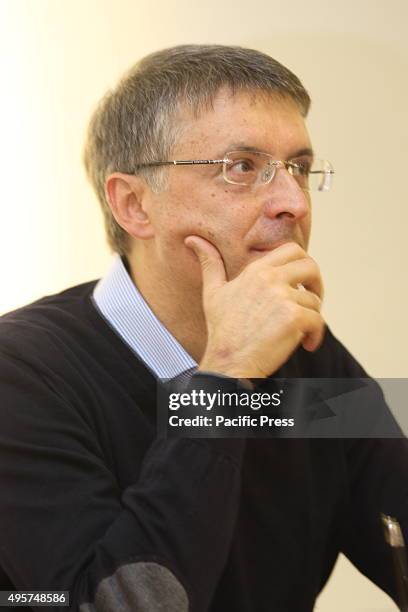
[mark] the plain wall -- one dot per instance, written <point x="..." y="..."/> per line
<point x="58" y="58"/>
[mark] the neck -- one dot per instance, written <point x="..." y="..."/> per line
<point x="175" y="304"/>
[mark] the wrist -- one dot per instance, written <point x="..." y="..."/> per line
<point x="246" y="383"/>
<point x="226" y="367"/>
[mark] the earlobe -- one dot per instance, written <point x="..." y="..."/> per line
<point x="127" y="197"/>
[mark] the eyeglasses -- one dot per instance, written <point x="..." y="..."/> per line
<point x="253" y="168"/>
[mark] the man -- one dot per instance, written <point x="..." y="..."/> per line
<point x="203" y="165"/>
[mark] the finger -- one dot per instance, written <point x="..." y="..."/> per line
<point x="289" y="251"/>
<point x="313" y="326"/>
<point x="212" y="265"/>
<point x="312" y="342"/>
<point x="307" y="299"/>
<point x="305" y="272"/>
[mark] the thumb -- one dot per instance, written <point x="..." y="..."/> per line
<point x="212" y="265"/>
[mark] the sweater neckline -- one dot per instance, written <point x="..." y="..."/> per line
<point x="132" y="370"/>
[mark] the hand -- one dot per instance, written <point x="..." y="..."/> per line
<point x="256" y="320"/>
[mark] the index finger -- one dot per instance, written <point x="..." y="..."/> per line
<point x="278" y="256"/>
<point x="306" y="273"/>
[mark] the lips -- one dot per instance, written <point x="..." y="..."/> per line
<point x="268" y="246"/>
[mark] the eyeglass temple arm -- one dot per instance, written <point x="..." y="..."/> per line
<point x="183" y="162"/>
<point x="295" y="165"/>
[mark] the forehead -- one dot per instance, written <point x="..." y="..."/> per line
<point x="269" y="123"/>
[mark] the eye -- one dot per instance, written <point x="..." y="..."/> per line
<point x="300" y="167"/>
<point x="242" y="166"/>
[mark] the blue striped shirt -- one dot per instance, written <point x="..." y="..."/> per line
<point x="123" y="307"/>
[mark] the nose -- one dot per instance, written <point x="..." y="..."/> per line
<point x="284" y="197"/>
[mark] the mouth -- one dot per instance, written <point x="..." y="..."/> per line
<point x="264" y="247"/>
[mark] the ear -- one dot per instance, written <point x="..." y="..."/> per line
<point x="127" y="195"/>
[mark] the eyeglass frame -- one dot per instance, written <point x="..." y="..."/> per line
<point x="196" y="162"/>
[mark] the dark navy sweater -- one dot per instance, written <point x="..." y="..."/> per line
<point x="91" y="501"/>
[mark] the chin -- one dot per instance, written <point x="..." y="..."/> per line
<point x="235" y="269"/>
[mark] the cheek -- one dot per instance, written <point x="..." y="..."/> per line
<point x="219" y="214"/>
<point x="221" y="221"/>
<point x="200" y="213"/>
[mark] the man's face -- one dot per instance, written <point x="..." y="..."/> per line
<point x="241" y="222"/>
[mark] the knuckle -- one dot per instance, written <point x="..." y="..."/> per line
<point x="297" y="250"/>
<point x="279" y="292"/>
<point x="279" y="274"/>
<point x="314" y="267"/>
<point x="268" y="276"/>
<point x="316" y="302"/>
<point x="318" y="322"/>
<point x="264" y="276"/>
<point x="292" y="314"/>
<point x="206" y="263"/>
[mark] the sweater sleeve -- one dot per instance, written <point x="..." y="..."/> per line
<point x="378" y="483"/>
<point x="378" y="477"/>
<point x="65" y="524"/>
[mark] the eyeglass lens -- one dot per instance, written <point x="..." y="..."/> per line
<point x="252" y="168"/>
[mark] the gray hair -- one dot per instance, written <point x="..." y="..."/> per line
<point x="137" y="121"/>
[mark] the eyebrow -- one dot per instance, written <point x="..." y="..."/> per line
<point x="239" y="146"/>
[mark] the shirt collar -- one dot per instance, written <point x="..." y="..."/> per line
<point x="122" y="305"/>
